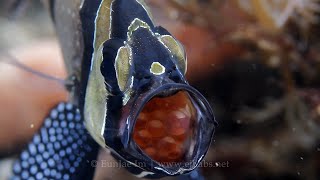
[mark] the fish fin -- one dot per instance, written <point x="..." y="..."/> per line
<point x="62" y="149"/>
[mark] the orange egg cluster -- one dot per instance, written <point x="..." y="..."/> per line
<point x="164" y="127"/>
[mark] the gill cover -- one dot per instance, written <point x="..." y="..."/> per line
<point x="136" y="100"/>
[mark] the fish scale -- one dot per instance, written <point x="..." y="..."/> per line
<point x="46" y="158"/>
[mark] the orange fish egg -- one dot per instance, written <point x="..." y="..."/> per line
<point x="175" y="152"/>
<point x="156" y="128"/>
<point x="165" y="126"/>
<point x="178" y="123"/>
<point x="143" y="138"/>
<point x="150" y="151"/>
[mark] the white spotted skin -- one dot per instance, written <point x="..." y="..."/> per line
<point x="58" y="150"/>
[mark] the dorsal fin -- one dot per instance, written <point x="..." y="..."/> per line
<point x="105" y="18"/>
<point x="102" y="23"/>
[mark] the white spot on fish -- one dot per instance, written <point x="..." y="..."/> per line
<point x="41" y="148"/>
<point x="51" y="163"/>
<point x="17" y="168"/>
<point x="33" y="169"/>
<point x="70" y="116"/>
<point x="32" y="149"/>
<point x="46" y="172"/>
<point x="54" y="114"/>
<point x="69" y="106"/>
<point x="39" y="175"/>
<point x="31" y="160"/>
<point x="46" y="155"/>
<point x="24" y="155"/>
<point x="25" y="175"/>
<point x="43" y="165"/>
<point x="61" y="107"/>
<point x="157" y="68"/>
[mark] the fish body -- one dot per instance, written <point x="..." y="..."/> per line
<point x="131" y="74"/>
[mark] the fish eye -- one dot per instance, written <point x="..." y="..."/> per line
<point x="166" y="128"/>
<point x="177" y="50"/>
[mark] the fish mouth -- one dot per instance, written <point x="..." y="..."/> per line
<point x="170" y="126"/>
